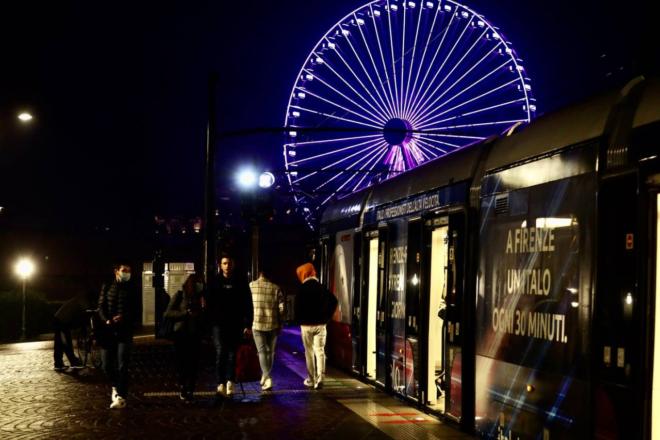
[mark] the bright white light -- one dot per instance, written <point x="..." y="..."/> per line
<point x="629" y="298"/>
<point x="345" y="32"/>
<point x="553" y="222"/>
<point x="25" y="117"/>
<point x="376" y="13"/>
<point x="415" y="280"/>
<point x="24" y="268"/>
<point x="246" y="178"/>
<point x="360" y="21"/>
<point x="309" y="77"/>
<point x="295" y="114"/>
<point x="266" y="179"/>
<point x="575" y="304"/>
<point x="293" y="134"/>
<point x="332" y="45"/>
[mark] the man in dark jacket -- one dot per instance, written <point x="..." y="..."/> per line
<point x="230" y="311"/>
<point x="314" y="308"/>
<point x="116" y="312"/>
<point x="70" y="315"/>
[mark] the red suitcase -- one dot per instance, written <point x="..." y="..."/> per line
<point x="247" y="362"/>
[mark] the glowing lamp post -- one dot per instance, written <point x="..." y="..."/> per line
<point x="25" y="117"/>
<point x="24" y="269"/>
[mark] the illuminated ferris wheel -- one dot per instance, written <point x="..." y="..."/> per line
<point x="393" y="85"/>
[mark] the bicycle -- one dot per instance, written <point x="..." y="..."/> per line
<point x="89" y="351"/>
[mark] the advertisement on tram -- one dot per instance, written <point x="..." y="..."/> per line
<point x="532" y="310"/>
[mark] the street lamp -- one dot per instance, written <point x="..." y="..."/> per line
<point x="24" y="269"/>
<point x="25" y="117"/>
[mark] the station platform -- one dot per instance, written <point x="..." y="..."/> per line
<point x="37" y="402"/>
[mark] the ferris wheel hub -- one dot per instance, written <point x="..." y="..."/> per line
<point x="397" y="131"/>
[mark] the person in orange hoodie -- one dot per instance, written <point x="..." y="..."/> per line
<point x="314" y="307"/>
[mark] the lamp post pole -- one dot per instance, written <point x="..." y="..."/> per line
<point x="209" y="184"/>
<point x="23" y="328"/>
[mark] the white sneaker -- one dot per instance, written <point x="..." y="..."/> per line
<point x="267" y="385"/>
<point x="263" y="379"/>
<point x="114" y="394"/>
<point x="119" y="402"/>
<point x="308" y="383"/>
<point x="221" y="389"/>
<point x="230" y="388"/>
<point x="318" y="385"/>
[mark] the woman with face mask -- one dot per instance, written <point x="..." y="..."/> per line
<point x="185" y="308"/>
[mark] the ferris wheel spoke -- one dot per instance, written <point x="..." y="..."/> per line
<point x="456" y="136"/>
<point x="425" y="109"/>
<point x="328" y="85"/>
<point x="329" y="153"/>
<point x="432" y="147"/>
<point x="371" y="119"/>
<point x="370" y="168"/>
<point x="333" y="140"/>
<point x="382" y="57"/>
<point x="360" y="95"/>
<point x="430" y="153"/>
<point x="384" y="106"/>
<point x="390" y="105"/>
<point x="423" y="97"/>
<point x="424" y="101"/>
<point x="396" y="87"/>
<point x="474" y="84"/>
<point x="479" y="124"/>
<point x="421" y="63"/>
<point x="433" y="141"/>
<point x="328" y="115"/>
<point x="381" y="110"/>
<point x="412" y="61"/>
<point x="481" y="110"/>
<point x="423" y="124"/>
<point x="350" y="168"/>
<point x="313" y="173"/>
<point x="403" y="58"/>
<point x="431" y="64"/>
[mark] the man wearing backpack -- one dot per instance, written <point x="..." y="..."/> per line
<point x="314" y="307"/>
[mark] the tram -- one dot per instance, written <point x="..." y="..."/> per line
<point x="511" y="286"/>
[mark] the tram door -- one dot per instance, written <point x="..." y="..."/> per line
<point x="435" y="381"/>
<point x="372" y="307"/>
<point x="382" y="312"/>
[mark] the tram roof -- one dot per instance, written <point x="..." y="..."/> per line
<point x="568" y="126"/>
<point x="648" y="110"/>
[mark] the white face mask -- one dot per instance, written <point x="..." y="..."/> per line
<point x="124" y="276"/>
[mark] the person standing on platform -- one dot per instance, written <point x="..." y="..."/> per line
<point x="116" y="311"/>
<point x="230" y="312"/>
<point x="70" y="315"/>
<point x="314" y="306"/>
<point x="185" y="309"/>
<point x="268" y="301"/>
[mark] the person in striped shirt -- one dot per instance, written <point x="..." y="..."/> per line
<point x="268" y="302"/>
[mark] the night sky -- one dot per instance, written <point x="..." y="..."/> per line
<point x="119" y="92"/>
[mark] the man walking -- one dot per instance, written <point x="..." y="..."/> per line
<point x="116" y="312"/>
<point x="268" y="301"/>
<point x="230" y="307"/>
<point x="314" y="306"/>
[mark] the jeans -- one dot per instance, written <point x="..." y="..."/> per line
<point x="225" y="354"/>
<point x="116" y="357"/>
<point x="63" y="345"/>
<point x="313" y="338"/>
<point x="187" y="356"/>
<point x="265" y="342"/>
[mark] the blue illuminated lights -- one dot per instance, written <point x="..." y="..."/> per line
<point x="395" y="84"/>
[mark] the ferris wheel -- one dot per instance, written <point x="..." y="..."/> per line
<point x="392" y="85"/>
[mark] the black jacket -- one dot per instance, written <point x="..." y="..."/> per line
<point x="72" y="313"/>
<point x="229" y="303"/>
<point x="314" y="304"/>
<point x="115" y="300"/>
